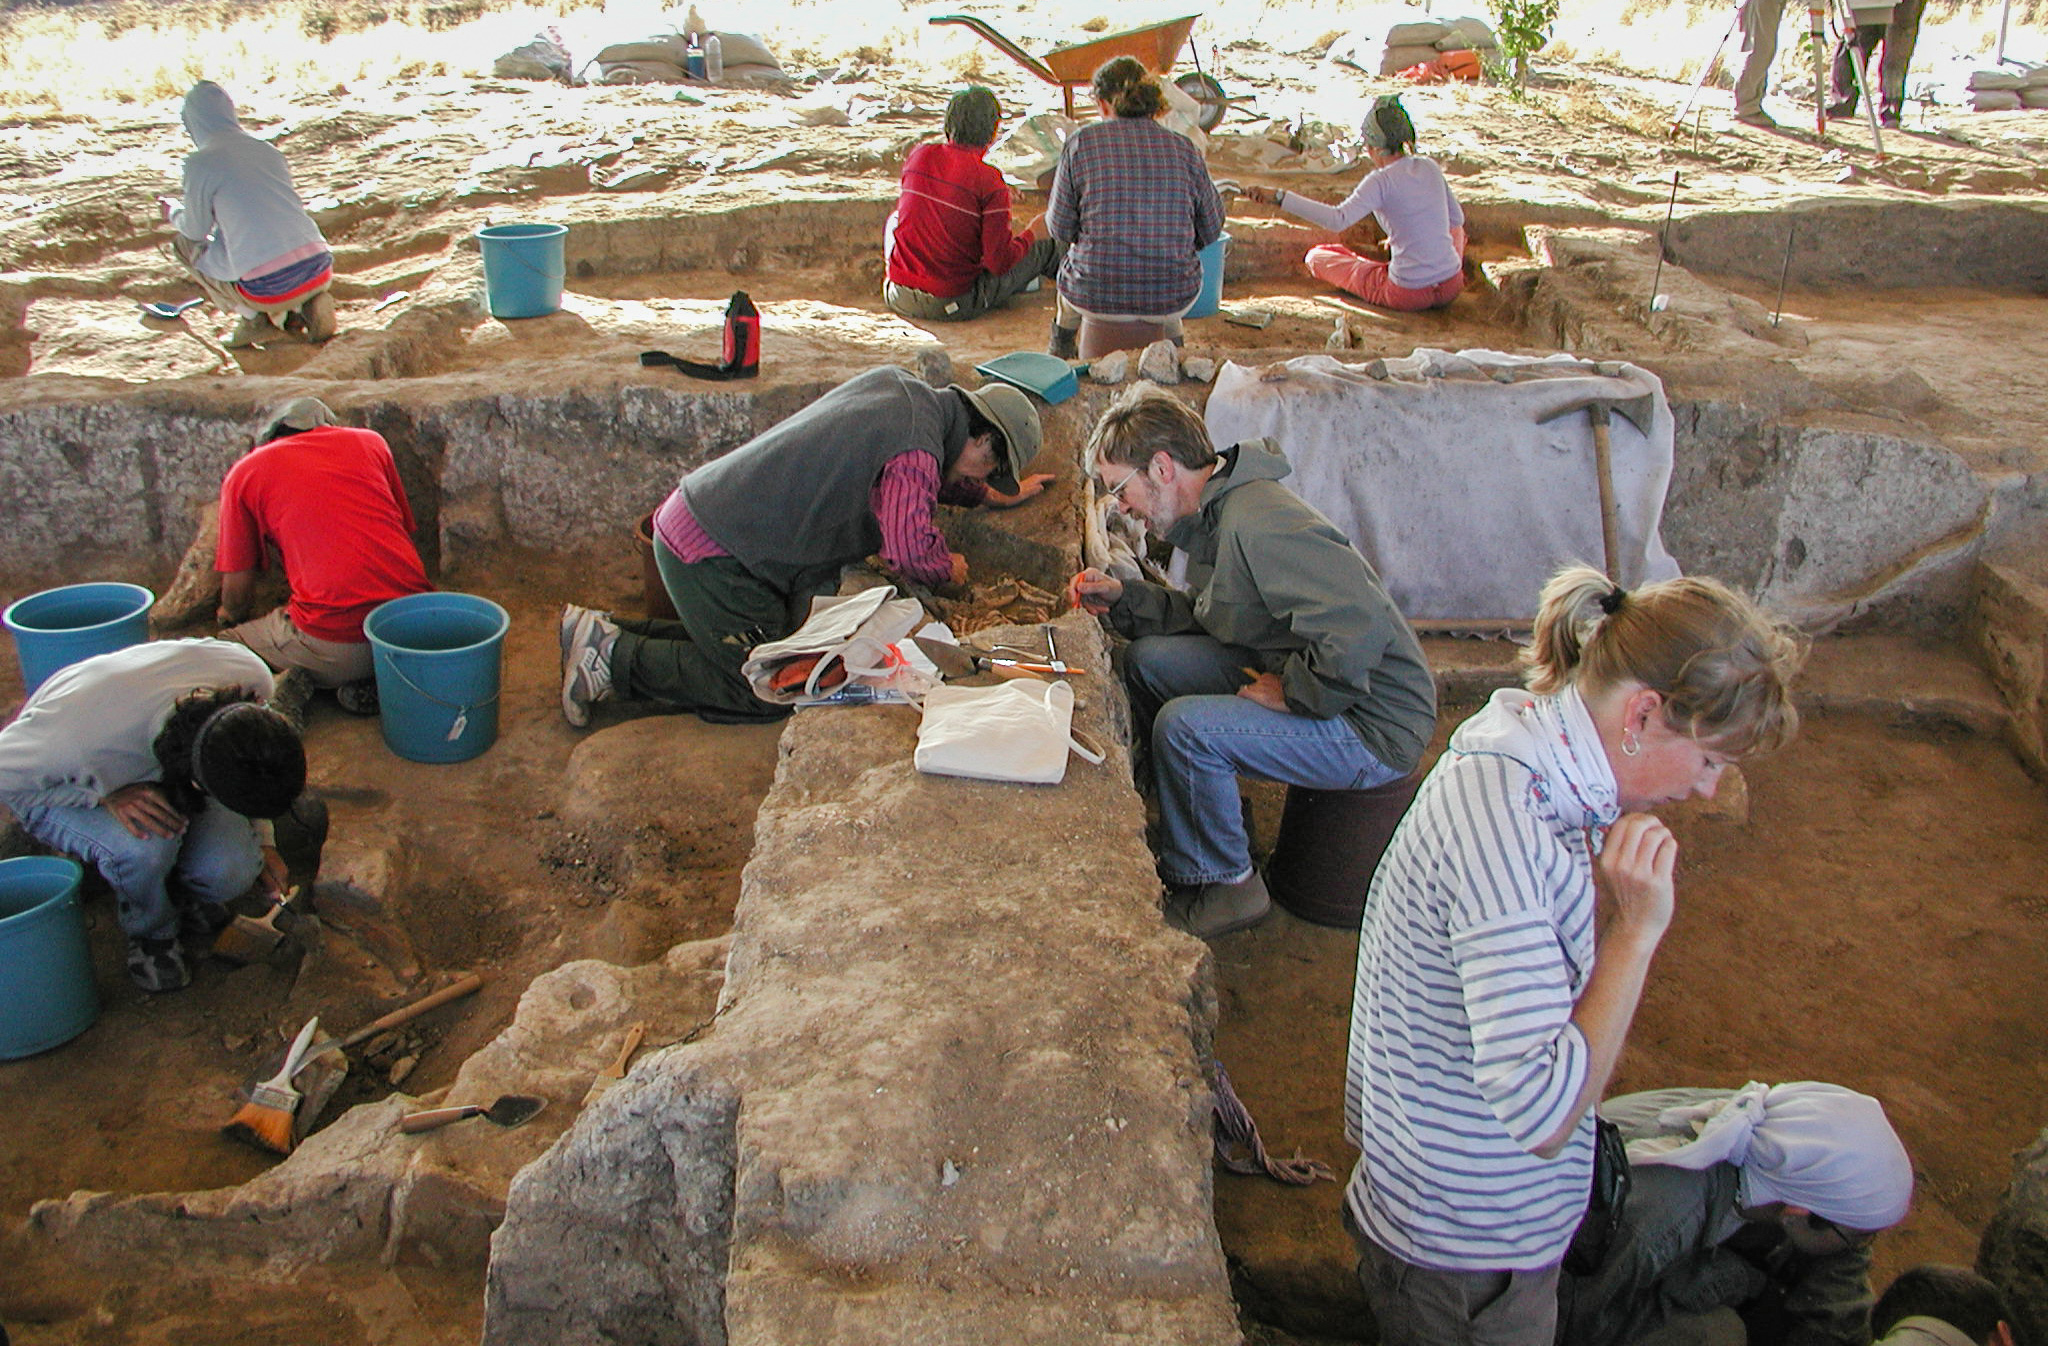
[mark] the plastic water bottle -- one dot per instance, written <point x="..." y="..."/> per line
<point x="714" y="58"/>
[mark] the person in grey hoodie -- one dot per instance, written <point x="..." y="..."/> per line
<point x="1288" y="662"/>
<point x="244" y="233"/>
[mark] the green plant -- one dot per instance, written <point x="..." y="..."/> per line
<point x="1523" y="27"/>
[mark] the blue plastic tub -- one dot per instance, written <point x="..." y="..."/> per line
<point x="62" y="626"/>
<point x="438" y="658"/>
<point x="524" y="265"/>
<point x="47" y="996"/>
<point x="1035" y="372"/>
<point x="1211" y="297"/>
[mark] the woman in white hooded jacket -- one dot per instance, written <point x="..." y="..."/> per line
<point x="244" y="233"/>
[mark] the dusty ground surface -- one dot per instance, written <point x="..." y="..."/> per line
<point x="1876" y="921"/>
<point x="1882" y="870"/>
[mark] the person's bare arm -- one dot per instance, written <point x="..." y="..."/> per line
<point x="237" y="592"/>
<point x="1635" y="872"/>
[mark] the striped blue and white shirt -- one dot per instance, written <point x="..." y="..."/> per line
<point x="1476" y="943"/>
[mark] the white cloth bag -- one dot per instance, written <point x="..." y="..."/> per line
<point x="1013" y="731"/>
<point x="857" y="632"/>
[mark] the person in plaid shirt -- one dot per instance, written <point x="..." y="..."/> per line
<point x="1134" y="202"/>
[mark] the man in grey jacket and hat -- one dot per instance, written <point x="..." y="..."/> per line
<point x="745" y="541"/>
<point x="1287" y="661"/>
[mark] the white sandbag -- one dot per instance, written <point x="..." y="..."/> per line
<point x="1397" y="59"/>
<point x="2035" y="78"/>
<point x="746" y="49"/>
<point x="1420" y="34"/>
<point x="1468" y="34"/>
<point x="754" y="77"/>
<point x="640" y="72"/>
<point x="1993" y="79"/>
<point x="1359" y="49"/>
<point x="1996" y="100"/>
<point x="2036" y="98"/>
<point x="669" y="47"/>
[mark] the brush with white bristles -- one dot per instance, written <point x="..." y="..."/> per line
<point x="265" y="1121"/>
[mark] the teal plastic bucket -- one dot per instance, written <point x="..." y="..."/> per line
<point x="1211" y="297"/>
<point x="523" y="268"/>
<point x="438" y="657"/>
<point x="58" y="627"/>
<point x="47" y="996"/>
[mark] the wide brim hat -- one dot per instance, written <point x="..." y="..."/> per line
<point x="1012" y="413"/>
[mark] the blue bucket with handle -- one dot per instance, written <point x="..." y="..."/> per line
<point x="438" y="659"/>
<point x="58" y="627"/>
<point x="1210" y="297"/>
<point x="524" y="266"/>
<point x="45" y="963"/>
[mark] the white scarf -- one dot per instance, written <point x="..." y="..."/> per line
<point x="1817" y="1146"/>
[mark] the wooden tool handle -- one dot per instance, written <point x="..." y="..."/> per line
<point x="433" y="1118"/>
<point x="1603" y="465"/>
<point x="404" y="1013"/>
<point x="634" y="1037"/>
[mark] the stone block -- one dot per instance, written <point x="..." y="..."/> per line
<point x="2014" y="1251"/>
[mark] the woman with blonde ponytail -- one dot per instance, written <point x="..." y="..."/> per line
<point x="1487" y="1019"/>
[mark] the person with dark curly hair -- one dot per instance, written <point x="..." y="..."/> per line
<point x="948" y="246"/>
<point x="160" y="765"/>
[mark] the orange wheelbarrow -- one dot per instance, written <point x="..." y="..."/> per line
<point x="1155" y="46"/>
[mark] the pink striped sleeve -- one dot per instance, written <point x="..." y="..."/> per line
<point x="902" y="501"/>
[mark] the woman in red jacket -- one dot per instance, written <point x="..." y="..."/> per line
<point x="950" y="253"/>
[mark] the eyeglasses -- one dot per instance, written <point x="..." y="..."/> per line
<point x="1116" y="492"/>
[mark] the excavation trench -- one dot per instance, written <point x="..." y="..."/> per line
<point x="931" y="1057"/>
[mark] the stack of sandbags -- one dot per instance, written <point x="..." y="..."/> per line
<point x="659" y="59"/>
<point x="1419" y="42"/>
<point x="2009" y="90"/>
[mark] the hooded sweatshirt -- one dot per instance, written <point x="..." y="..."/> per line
<point x="1476" y="945"/>
<point x="1278" y="579"/>
<point x="239" y="197"/>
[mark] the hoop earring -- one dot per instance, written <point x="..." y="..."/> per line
<point x="1630" y="744"/>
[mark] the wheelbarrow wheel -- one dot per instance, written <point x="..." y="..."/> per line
<point x="1204" y="89"/>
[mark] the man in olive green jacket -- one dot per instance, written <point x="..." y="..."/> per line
<point x="1287" y="662"/>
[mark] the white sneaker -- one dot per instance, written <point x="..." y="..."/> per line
<point x="587" y="637"/>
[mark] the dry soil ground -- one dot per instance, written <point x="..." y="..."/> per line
<point x="1876" y="921"/>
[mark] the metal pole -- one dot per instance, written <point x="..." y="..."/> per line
<point x="2004" y="15"/>
<point x="1790" y="228"/>
<point x="1817" y="38"/>
<point x="1863" y="84"/>
<point x="1678" y="122"/>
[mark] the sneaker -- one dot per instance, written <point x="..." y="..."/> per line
<point x="1758" y="118"/>
<point x="1211" y="909"/>
<point x="301" y="836"/>
<point x="158" y="965"/>
<point x="358" y="698"/>
<point x="251" y="331"/>
<point x="1065" y="342"/>
<point x="1841" y="111"/>
<point x="587" y="639"/>
<point x="316" y="316"/>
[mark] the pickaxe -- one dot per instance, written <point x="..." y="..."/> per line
<point x="1636" y="411"/>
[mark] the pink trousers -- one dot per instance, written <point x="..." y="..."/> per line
<point x="1366" y="278"/>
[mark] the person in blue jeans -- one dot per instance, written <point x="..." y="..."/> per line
<point x="160" y="765"/>
<point x="1287" y="662"/>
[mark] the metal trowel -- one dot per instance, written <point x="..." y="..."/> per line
<point x="158" y="309"/>
<point x="509" y="1111"/>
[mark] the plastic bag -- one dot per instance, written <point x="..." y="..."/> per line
<point x="1014" y="731"/>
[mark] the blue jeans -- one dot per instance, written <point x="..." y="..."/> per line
<point x="1204" y="736"/>
<point x="216" y="860"/>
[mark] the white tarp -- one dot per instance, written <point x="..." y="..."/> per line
<point x="1444" y="478"/>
